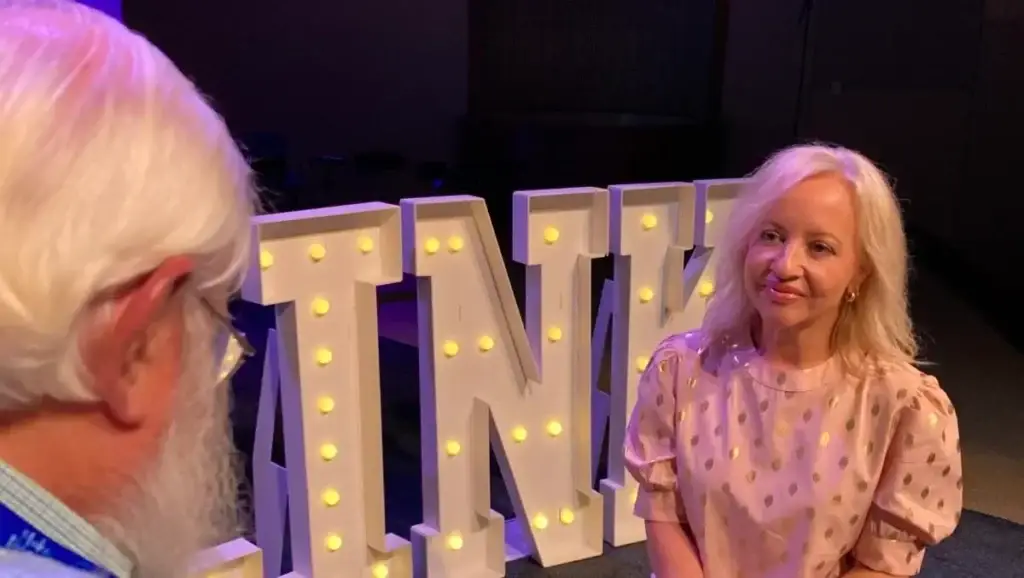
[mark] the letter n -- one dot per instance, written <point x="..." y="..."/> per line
<point x="487" y="380"/>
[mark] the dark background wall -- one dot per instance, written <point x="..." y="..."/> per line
<point x="646" y="59"/>
<point x="986" y="213"/>
<point x="932" y="90"/>
<point x="330" y="76"/>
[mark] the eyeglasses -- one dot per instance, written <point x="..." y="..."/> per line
<point x="238" y="348"/>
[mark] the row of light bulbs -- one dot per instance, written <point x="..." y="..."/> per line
<point x="317" y="252"/>
<point x="331" y="497"/>
<point x="540" y="521"/>
<point x="649" y="220"/>
<point x="486" y="343"/>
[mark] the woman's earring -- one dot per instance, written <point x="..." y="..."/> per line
<point x="851" y="296"/>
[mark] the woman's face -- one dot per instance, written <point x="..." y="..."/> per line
<point x="803" y="260"/>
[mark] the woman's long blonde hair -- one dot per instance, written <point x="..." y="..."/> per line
<point x="876" y="325"/>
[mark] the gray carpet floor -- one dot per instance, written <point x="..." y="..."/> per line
<point x="983" y="547"/>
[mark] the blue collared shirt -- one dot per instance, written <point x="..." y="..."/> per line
<point x="52" y="518"/>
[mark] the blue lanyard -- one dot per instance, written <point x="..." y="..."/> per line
<point x="17" y="534"/>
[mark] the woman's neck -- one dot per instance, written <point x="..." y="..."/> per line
<point x="798" y="347"/>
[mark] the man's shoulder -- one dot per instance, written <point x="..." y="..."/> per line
<point x="17" y="564"/>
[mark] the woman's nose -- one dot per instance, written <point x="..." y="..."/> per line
<point x="786" y="263"/>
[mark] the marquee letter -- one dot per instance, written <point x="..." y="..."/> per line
<point x="483" y="372"/>
<point x="652" y="228"/>
<point x="320" y="268"/>
<point x="235" y="559"/>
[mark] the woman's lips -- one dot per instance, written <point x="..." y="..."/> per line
<point x="782" y="295"/>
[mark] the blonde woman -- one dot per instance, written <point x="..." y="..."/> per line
<point x="793" y="436"/>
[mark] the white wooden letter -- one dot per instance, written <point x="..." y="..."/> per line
<point x="488" y="380"/>
<point x="320" y="268"/>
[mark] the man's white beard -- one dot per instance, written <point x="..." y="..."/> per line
<point x="189" y="500"/>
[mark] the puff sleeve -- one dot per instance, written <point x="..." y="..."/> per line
<point x="919" y="496"/>
<point x="650" y="446"/>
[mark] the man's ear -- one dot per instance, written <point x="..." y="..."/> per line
<point x="119" y="343"/>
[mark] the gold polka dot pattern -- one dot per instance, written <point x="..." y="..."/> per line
<point x="783" y="471"/>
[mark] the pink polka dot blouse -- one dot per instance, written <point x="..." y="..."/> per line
<point x="794" y="473"/>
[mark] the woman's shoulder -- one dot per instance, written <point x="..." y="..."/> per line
<point x="909" y="391"/>
<point x="674" y="353"/>
<point x="680" y="345"/>
<point x="692" y="350"/>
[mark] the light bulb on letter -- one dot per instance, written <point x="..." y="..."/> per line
<point x="431" y="245"/>
<point x="645" y="294"/>
<point x="554" y="428"/>
<point x="321" y="307"/>
<point x="452" y="448"/>
<point x="641" y="363"/>
<point x="365" y="244"/>
<point x="450" y="348"/>
<point x="331" y="497"/>
<point x="325" y="405"/>
<point x="486" y="343"/>
<point x="455" y="542"/>
<point x="317" y="252"/>
<point x="328" y="452"/>
<point x="519" y="434"/>
<point x="551" y="235"/>
<point x="266" y="260"/>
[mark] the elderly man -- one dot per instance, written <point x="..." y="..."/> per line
<point x="124" y="215"/>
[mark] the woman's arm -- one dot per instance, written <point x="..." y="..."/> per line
<point x="919" y="495"/>
<point x="671" y="552"/>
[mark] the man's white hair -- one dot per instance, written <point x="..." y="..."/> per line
<point x="110" y="162"/>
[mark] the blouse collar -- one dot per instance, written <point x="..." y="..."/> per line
<point x="743" y="356"/>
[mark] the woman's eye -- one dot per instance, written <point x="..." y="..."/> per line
<point x="822" y="248"/>
<point x="770" y="236"/>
